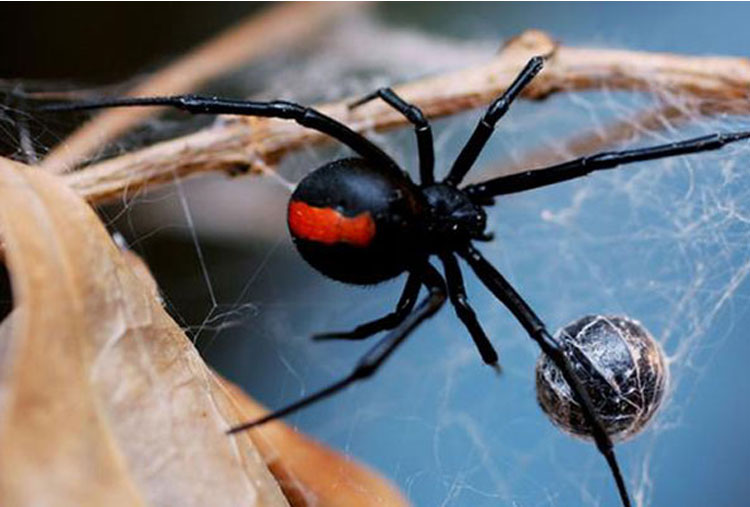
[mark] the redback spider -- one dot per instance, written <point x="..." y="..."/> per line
<point x="362" y="221"/>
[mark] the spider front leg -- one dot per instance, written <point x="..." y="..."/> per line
<point x="465" y="312"/>
<point x="377" y="355"/>
<point x="536" y="329"/>
<point x="558" y="173"/>
<point x="422" y="129"/>
<point x="486" y="125"/>
<point x="403" y="308"/>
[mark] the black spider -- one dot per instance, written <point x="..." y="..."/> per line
<point x="362" y="221"/>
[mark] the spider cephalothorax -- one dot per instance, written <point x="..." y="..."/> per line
<point x="362" y="220"/>
<point x="452" y="218"/>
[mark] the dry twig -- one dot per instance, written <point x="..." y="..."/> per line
<point x="232" y="145"/>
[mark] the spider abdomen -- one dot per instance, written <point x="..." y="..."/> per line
<point x="355" y="222"/>
<point x="330" y="226"/>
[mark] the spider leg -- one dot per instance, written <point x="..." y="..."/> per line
<point x="536" y="329"/>
<point x="465" y="313"/>
<point x="196" y="104"/>
<point x="422" y="129"/>
<point x="486" y="237"/>
<point x="486" y="125"/>
<point x="403" y="308"/>
<point x="376" y="356"/>
<point x="606" y="160"/>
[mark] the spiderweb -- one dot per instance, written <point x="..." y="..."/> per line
<point x="664" y="242"/>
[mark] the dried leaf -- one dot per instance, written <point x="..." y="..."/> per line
<point x="310" y="473"/>
<point x="103" y="400"/>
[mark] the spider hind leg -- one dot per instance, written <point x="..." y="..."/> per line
<point x="393" y="319"/>
<point x="197" y="104"/>
<point x="369" y="364"/>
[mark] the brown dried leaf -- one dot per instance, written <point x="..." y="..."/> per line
<point x="310" y="473"/>
<point x="103" y="400"/>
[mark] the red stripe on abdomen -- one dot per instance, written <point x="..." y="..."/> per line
<point x="328" y="226"/>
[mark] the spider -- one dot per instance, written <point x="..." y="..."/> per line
<point x="362" y="221"/>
